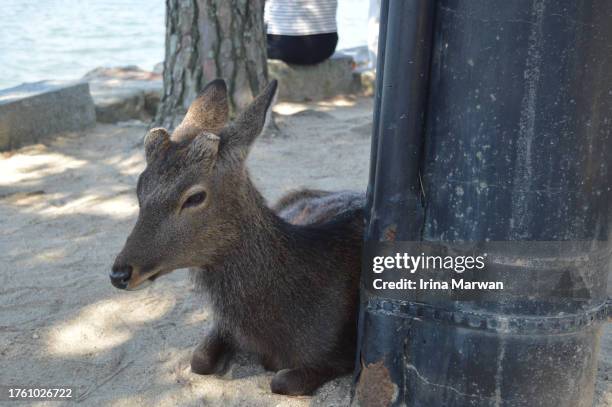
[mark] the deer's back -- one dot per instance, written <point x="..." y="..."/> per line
<point x="312" y="207"/>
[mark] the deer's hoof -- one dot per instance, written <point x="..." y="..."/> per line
<point x="207" y="361"/>
<point x="201" y="365"/>
<point x="294" y="382"/>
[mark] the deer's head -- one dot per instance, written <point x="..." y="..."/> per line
<point x="192" y="189"/>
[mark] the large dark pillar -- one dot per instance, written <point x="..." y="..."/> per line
<point x="493" y="136"/>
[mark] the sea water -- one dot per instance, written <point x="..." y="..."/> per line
<point x="64" y="39"/>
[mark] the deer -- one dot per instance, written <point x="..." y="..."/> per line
<point x="282" y="281"/>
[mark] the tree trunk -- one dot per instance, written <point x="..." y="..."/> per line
<point x="208" y="39"/>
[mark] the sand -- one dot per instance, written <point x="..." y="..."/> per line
<point x="65" y="211"/>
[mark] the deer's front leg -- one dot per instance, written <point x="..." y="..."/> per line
<point x="213" y="354"/>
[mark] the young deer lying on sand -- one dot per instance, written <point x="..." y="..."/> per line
<point x="282" y="282"/>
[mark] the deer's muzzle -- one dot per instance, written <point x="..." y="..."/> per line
<point x="120" y="275"/>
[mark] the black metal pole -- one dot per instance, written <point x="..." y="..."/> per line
<point x="399" y="124"/>
<point x="380" y="65"/>
<point x="515" y="162"/>
<point x="399" y="118"/>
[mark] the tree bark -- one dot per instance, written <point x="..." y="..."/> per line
<point x="208" y="39"/>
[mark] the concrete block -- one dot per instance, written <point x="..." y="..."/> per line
<point x="364" y="82"/>
<point x="298" y="83"/>
<point x="124" y="93"/>
<point x="32" y="112"/>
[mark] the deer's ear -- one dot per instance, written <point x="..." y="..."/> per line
<point x="248" y="125"/>
<point x="210" y="111"/>
<point x="155" y="140"/>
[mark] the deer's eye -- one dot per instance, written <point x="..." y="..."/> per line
<point x="194" y="200"/>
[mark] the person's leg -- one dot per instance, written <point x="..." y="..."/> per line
<point x="275" y="46"/>
<point x="319" y="47"/>
<point x="302" y="50"/>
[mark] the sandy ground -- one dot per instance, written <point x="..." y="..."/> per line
<point x="65" y="211"/>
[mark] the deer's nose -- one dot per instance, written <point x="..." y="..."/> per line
<point x="120" y="275"/>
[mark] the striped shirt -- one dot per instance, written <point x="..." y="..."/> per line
<point x="300" y="17"/>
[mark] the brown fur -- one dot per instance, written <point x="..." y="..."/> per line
<point x="283" y="282"/>
<point x="209" y="112"/>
